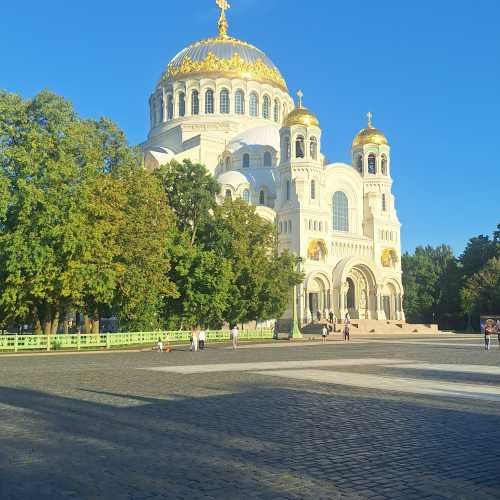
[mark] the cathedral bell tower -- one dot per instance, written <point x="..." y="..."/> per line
<point x="300" y="171"/>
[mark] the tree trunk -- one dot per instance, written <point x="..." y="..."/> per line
<point x="38" y="326"/>
<point x="47" y="327"/>
<point x="86" y="324"/>
<point x="55" y="323"/>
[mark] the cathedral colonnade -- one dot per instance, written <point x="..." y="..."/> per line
<point x="353" y="286"/>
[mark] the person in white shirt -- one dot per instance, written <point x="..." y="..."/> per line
<point x="324" y="333"/>
<point x="159" y="344"/>
<point x="234" y="336"/>
<point x="202" y="339"/>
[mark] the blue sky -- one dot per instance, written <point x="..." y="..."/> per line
<point x="428" y="70"/>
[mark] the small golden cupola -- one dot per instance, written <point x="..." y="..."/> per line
<point x="301" y="115"/>
<point x="370" y="135"/>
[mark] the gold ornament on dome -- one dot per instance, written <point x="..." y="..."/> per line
<point x="235" y="67"/>
<point x="389" y="257"/>
<point x="222" y="24"/>
<point x="370" y="135"/>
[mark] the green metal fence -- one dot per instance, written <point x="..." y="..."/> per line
<point x="15" y="343"/>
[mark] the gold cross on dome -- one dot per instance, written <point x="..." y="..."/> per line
<point x="300" y="95"/>
<point x="370" y="116"/>
<point x="222" y="4"/>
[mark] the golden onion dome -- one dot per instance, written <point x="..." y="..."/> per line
<point x="224" y="56"/>
<point x="301" y="115"/>
<point x="370" y="135"/>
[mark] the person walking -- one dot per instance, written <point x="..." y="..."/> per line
<point x="489" y="329"/>
<point x="347" y="335"/>
<point x="324" y="333"/>
<point x="201" y="339"/>
<point x="334" y="322"/>
<point x="159" y="344"/>
<point x="234" y="336"/>
<point x="330" y="316"/>
<point x="194" y="341"/>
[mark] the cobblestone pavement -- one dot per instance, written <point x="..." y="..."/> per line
<point x="346" y="421"/>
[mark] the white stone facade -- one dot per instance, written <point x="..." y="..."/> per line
<point x="340" y="219"/>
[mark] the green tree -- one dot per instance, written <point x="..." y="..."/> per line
<point x="145" y="242"/>
<point x="431" y="279"/>
<point x="203" y="280"/>
<point x="262" y="277"/>
<point x="191" y="193"/>
<point x="477" y="253"/>
<point x="481" y="293"/>
<point x="76" y="193"/>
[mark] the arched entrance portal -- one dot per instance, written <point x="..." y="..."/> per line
<point x="351" y="295"/>
<point x="355" y="283"/>
<point x="389" y="301"/>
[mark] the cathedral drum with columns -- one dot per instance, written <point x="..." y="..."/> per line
<point x="222" y="102"/>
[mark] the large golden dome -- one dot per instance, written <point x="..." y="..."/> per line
<point x="225" y="56"/>
<point x="370" y="135"/>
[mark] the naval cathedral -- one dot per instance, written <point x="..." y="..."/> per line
<point x="223" y="103"/>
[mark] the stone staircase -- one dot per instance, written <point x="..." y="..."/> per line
<point x="367" y="326"/>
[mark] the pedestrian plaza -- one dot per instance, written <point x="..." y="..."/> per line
<point x="383" y="417"/>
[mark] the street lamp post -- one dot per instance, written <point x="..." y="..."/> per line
<point x="294" y="332"/>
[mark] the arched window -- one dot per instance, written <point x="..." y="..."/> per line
<point x="228" y="163"/>
<point x="286" y="151"/>
<point x="182" y="104"/>
<point x="239" y="102"/>
<point x="280" y="227"/>
<point x="170" y="107"/>
<point x="384" y="202"/>
<point x="288" y="190"/>
<point x="276" y="110"/>
<point x="224" y="101"/>
<point x="359" y="164"/>
<point x="314" y="148"/>
<point x="262" y="197"/>
<point x="315" y="225"/>
<point x="209" y="102"/>
<point x="246" y="160"/>
<point x="383" y="166"/>
<point x="289" y="226"/>
<point x="195" y="103"/>
<point x="313" y="190"/>
<point x="340" y="212"/>
<point x="266" y="107"/>
<point x="228" y="193"/>
<point x="246" y="195"/>
<point x="299" y="147"/>
<point x="268" y="160"/>
<point x="285" y="227"/>
<point x="254" y="104"/>
<point x="372" y="164"/>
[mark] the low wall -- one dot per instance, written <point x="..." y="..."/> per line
<point x="15" y="343"/>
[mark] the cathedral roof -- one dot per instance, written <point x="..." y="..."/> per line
<point x="301" y="115"/>
<point x="256" y="137"/>
<point x="370" y="135"/>
<point x="225" y="56"/>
